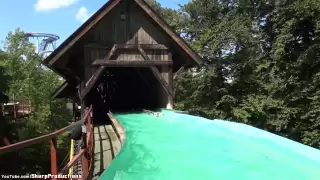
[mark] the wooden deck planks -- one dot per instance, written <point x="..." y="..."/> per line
<point x="116" y="145"/>
<point x="106" y="147"/>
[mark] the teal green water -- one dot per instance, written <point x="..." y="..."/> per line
<point x="183" y="147"/>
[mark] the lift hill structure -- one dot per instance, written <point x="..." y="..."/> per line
<point x="124" y="57"/>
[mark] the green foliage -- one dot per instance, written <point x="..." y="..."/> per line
<point x="28" y="80"/>
<point x="4" y="78"/>
<point x="262" y="64"/>
<point x="173" y="17"/>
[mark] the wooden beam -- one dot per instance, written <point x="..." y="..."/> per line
<point x="178" y="72"/>
<point x="128" y="46"/>
<point x="143" y="53"/>
<point x="94" y="78"/>
<point x="144" y="46"/>
<point x="89" y="84"/>
<point x="163" y="25"/>
<point x="156" y="72"/>
<point x="160" y="78"/>
<point x="131" y="63"/>
<point x="59" y="90"/>
<point x="81" y="31"/>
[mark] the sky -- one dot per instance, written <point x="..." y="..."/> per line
<point x="60" y="17"/>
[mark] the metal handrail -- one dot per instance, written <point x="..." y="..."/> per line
<point x="40" y="139"/>
<point x="85" y="153"/>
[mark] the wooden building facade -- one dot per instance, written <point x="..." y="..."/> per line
<point x="125" y="55"/>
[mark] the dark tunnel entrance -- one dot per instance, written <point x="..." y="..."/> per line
<point x="122" y="89"/>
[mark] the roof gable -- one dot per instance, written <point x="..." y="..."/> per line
<point x="103" y="11"/>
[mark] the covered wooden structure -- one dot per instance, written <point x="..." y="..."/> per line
<point x="124" y="55"/>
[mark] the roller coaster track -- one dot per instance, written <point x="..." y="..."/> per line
<point x="46" y="39"/>
<point x="91" y="155"/>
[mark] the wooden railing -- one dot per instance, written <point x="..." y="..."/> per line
<point x="85" y="153"/>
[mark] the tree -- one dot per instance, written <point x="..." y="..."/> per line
<point x="262" y="64"/>
<point x="5" y="127"/>
<point x="171" y="16"/>
<point x="30" y="81"/>
<point x="3" y="80"/>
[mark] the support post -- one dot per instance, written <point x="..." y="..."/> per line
<point x="85" y="166"/>
<point x="89" y="138"/>
<point x="170" y="82"/>
<point x="54" y="164"/>
<point x="85" y="161"/>
<point x="82" y="103"/>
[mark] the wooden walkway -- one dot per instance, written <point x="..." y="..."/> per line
<point x="106" y="146"/>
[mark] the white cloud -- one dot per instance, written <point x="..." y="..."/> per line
<point x="83" y="14"/>
<point x="47" y="5"/>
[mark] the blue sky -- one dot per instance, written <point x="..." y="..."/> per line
<point x="60" y="17"/>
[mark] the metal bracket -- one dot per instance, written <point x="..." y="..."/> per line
<point x="84" y="129"/>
